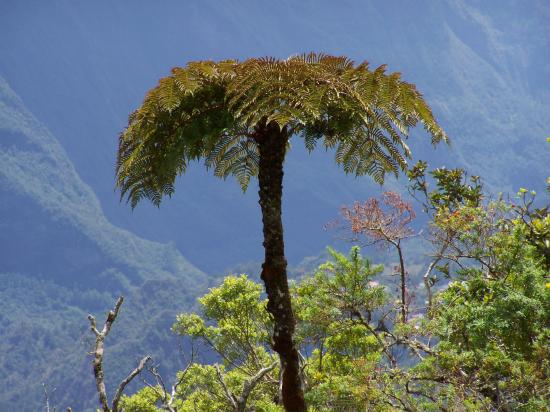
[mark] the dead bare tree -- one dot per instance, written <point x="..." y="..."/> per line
<point x="98" y="361"/>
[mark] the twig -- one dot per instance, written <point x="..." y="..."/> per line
<point x="166" y="398"/>
<point x="228" y="395"/>
<point x="98" y="352"/>
<point x="47" y="398"/>
<point x="127" y="380"/>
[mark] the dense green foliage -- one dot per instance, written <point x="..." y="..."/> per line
<point x="483" y="345"/>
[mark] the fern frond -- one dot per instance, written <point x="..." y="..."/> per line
<point x="215" y="110"/>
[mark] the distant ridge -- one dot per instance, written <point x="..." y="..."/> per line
<point x="81" y="68"/>
<point x="60" y="259"/>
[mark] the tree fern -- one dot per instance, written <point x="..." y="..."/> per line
<point x="239" y="118"/>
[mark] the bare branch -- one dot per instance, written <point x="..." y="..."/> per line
<point x="127" y="380"/>
<point x="47" y="398"/>
<point x="160" y="382"/>
<point x="161" y="396"/>
<point x="111" y="316"/>
<point x="167" y="398"/>
<point x="93" y="325"/>
<point x="428" y="284"/>
<point x="229" y="396"/>
<point x="303" y="366"/>
<point x="180" y="381"/>
<point x="280" y="388"/>
<point x="250" y="384"/>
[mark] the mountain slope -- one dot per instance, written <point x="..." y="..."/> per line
<point x="66" y="243"/>
<point x="60" y="259"/>
<point x="83" y="67"/>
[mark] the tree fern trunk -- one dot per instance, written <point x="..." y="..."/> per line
<point x="272" y="145"/>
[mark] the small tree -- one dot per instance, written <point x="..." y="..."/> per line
<point x="234" y="325"/>
<point x="445" y="194"/>
<point x="492" y="322"/>
<point x="386" y="223"/>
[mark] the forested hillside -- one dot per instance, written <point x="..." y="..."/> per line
<point x="61" y="259"/>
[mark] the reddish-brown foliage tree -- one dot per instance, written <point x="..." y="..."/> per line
<point x="384" y="221"/>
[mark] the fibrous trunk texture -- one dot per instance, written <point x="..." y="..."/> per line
<point x="272" y="145"/>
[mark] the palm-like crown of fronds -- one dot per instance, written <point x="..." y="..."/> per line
<point x="215" y="111"/>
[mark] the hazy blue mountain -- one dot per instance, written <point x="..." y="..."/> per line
<point x="60" y="259"/>
<point x="66" y="243"/>
<point x="83" y="67"/>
